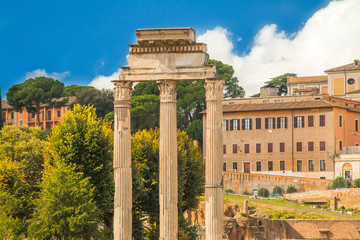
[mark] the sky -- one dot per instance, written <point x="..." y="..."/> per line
<point x="85" y="42"/>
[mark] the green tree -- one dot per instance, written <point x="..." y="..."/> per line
<point x="74" y="90"/>
<point x="85" y="141"/>
<point x="34" y="92"/>
<point x="340" y="182"/>
<point x="66" y="208"/>
<point x="195" y="130"/>
<point x="144" y="88"/>
<point x="280" y="82"/>
<point x="24" y="145"/>
<point x="1" y="118"/>
<point x="145" y="160"/>
<point x="144" y="112"/>
<point x="232" y="88"/>
<point x="263" y="192"/>
<point x="278" y="190"/>
<point x="102" y="100"/>
<point x="291" y="189"/>
<point x="357" y="182"/>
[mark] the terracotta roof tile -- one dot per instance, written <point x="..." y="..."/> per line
<point x="307" y="79"/>
<point x="347" y="67"/>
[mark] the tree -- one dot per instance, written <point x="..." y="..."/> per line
<point x="145" y="160"/>
<point x="280" y="82"/>
<point x="195" y="130"/>
<point x="85" y="141"/>
<point x="144" y="112"/>
<point x="291" y="189"/>
<point x="1" y="118"/>
<point x="357" y="182"/>
<point x="340" y="182"/>
<point x="143" y="88"/>
<point x="66" y="208"/>
<point x="24" y="145"/>
<point x="34" y="92"/>
<point x="74" y="90"/>
<point x="278" y="190"/>
<point x="232" y="88"/>
<point x="102" y="100"/>
<point x="263" y="192"/>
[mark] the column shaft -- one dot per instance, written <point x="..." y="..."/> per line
<point x="214" y="205"/>
<point x="168" y="176"/>
<point x="122" y="162"/>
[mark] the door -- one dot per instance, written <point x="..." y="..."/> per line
<point x="246" y="167"/>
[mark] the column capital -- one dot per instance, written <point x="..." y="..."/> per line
<point x="122" y="93"/>
<point x="214" y="88"/>
<point x="168" y="90"/>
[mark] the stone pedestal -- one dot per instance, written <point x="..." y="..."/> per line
<point x="214" y="200"/>
<point x="122" y="162"/>
<point x="168" y="177"/>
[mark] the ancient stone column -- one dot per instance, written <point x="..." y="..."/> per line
<point x="168" y="177"/>
<point x="214" y="200"/>
<point x="122" y="161"/>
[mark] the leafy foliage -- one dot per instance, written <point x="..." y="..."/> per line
<point x="340" y="182"/>
<point x="1" y="118"/>
<point x="145" y="164"/>
<point x="144" y="112"/>
<point x="263" y="192"/>
<point x="195" y="130"/>
<point x="34" y="92"/>
<point x="232" y="88"/>
<point x="83" y="141"/>
<point x="66" y="208"/>
<point x="280" y="82"/>
<point x="357" y="182"/>
<point x="278" y="190"/>
<point x="74" y="90"/>
<point x="291" y="189"/>
<point x="102" y="100"/>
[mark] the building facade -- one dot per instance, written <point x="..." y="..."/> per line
<point x="49" y="116"/>
<point x="290" y="136"/>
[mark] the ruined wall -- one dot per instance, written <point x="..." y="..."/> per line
<point x="239" y="182"/>
<point x="349" y="198"/>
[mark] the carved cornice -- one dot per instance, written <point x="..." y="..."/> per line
<point x="161" y="48"/>
<point x="122" y="92"/>
<point x="214" y="89"/>
<point x="168" y="90"/>
<point x="165" y="35"/>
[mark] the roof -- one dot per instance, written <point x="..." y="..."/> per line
<point x="5" y="104"/>
<point x="308" y="79"/>
<point x="354" y="92"/>
<point x="348" y="67"/>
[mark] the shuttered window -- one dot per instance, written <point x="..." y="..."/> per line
<point x="234" y="148"/>
<point x="299" y="146"/>
<point x="270" y="147"/>
<point x="282" y="165"/>
<point x="322" y="145"/>
<point x="311" y="121"/>
<point x="282" y="122"/>
<point x="258" y="148"/>
<point x="269" y="123"/>
<point x="322" y="121"/>
<point x="356" y="125"/>
<point x="282" y="147"/>
<point x="247" y="148"/>
<point x="258" y="123"/>
<point x="258" y="166"/>
<point x="299" y="121"/>
<point x="224" y="149"/>
<point x="310" y="146"/>
<point x="246" y="124"/>
<point x="270" y="165"/>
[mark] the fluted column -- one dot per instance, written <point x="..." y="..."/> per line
<point x="214" y="200"/>
<point x="168" y="177"/>
<point x="122" y="161"/>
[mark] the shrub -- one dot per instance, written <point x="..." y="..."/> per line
<point x="278" y="190"/>
<point x="340" y="182"/>
<point x="357" y="182"/>
<point x="291" y="189"/>
<point x="229" y="191"/>
<point x="246" y="193"/>
<point x="263" y="192"/>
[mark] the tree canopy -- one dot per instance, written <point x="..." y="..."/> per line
<point x="34" y="92"/>
<point x="74" y="90"/>
<point x="280" y="82"/>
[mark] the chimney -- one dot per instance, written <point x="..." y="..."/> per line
<point x="357" y="62"/>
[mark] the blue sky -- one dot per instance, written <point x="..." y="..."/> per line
<point x="79" y="40"/>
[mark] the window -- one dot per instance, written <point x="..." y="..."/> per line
<point x="224" y="167"/>
<point x="270" y="165"/>
<point x="258" y="166"/>
<point x="21" y="122"/>
<point x="224" y="149"/>
<point x="311" y="165"/>
<point x="12" y="115"/>
<point x="234" y="148"/>
<point x="258" y="123"/>
<point x="247" y="148"/>
<point x="258" y="148"/>
<point x="43" y="115"/>
<point x="246" y="124"/>
<point x="310" y="146"/>
<point x="322" y="121"/>
<point x="356" y="125"/>
<point x="351" y="81"/>
<point x="322" y="145"/>
<point x="235" y="166"/>
<point x="282" y="122"/>
<point x="340" y="121"/>
<point x="311" y="121"/>
<point x="269" y="123"/>
<point x="340" y="145"/>
<point x="270" y="147"/>
<point x="58" y="113"/>
<point x="282" y="165"/>
<point x="224" y="125"/>
<point x="49" y="115"/>
<point x="299" y="146"/>
<point x="282" y="147"/>
<point x="322" y="165"/>
<point x="299" y="165"/>
<point x="299" y="122"/>
<point x="234" y="124"/>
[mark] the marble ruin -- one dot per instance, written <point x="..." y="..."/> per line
<point x="168" y="56"/>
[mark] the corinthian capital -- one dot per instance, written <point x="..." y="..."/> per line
<point x="168" y="90"/>
<point x="214" y="88"/>
<point x="122" y="90"/>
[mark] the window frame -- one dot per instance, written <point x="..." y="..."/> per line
<point x="258" y="166"/>
<point x="322" y="165"/>
<point x="322" y="120"/>
<point x="282" y="165"/>
<point x="311" y="165"/>
<point x="311" y="146"/>
<point x="235" y="167"/>
<point x="340" y="121"/>
<point x="246" y="148"/>
<point x="322" y="146"/>
<point x="310" y="120"/>
<point x="270" y="147"/>
<point x="299" y="121"/>
<point x="270" y="165"/>
<point x="258" y="147"/>
<point x="299" y="147"/>
<point x="282" y="149"/>
<point x="356" y="125"/>
<point x="299" y="165"/>
<point x="234" y="149"/>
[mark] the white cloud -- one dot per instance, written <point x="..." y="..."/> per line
<point x="43" y="73"/>
<point x="330" y="38"/>
<point x="101" y="81"/>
